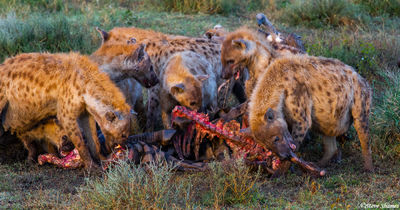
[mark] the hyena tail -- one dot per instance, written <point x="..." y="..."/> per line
<point x="3" y="108"/>
<point x="360" y="112"/>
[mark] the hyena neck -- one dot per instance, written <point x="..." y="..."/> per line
<point x="95" y="106"/>
<point x="259" y="62"/>
<point x="116" y="68"/>
<point x="265" y="97"/>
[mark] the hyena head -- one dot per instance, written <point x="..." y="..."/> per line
<point x="217" y="31"/>
<point x="112" y="114"/>
<point x="274" y="134"/>
<point x="66" y="144"/>
<point x="236" y="52"/>
<point x="139" y="62"/>
<point x="115" y="126"/>
<point x="189" y="92"/>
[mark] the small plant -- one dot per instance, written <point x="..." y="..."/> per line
<point x="127" y="186"/>
<point x="233" y="182"/>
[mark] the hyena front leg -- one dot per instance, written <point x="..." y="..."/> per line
<point x="153" y="108"/>
<point x="330" y="149"/>
<point x="71" y="126"/>
<point x="140" y="110"/>
<point x="88" y="126"/>
<point x="3" y="104"/>
<point x="299" y="108"/>
<point x="29" y="145"/>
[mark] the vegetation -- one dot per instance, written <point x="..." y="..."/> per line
<point x="156" y="186"/>
<point x="361" y="33"/>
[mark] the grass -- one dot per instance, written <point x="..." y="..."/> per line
<point x="361" y="33"/>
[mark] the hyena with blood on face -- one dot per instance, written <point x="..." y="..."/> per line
<point x="254" y="54"/>
<point x="187" y="80"/>
<point x="298" y="93"/>
<point x="70" y="86"/>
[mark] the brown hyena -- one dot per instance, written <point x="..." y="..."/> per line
<point x="298" y="93"/>
<point x="70" y="86"/>
<point x="187" y="80"/>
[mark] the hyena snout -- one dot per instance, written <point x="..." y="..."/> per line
<point x="283" y="147"/>
<point x="66" y="145"/>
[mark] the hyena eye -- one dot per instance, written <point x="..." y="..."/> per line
<point x="276" y="139"/>
<point x="229" y="62"/>
<point x="110" y="116"/>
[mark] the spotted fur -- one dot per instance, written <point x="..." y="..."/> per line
<point x="70" y="86"/>
<point x="297" y="93"/>
<point x="160" y="50"/>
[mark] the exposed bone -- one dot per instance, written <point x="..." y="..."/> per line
<point x="162" y="137"/>
<point x="263" y="20"/>
<point x="241" y="143"/>
<point x="307" y="166"/>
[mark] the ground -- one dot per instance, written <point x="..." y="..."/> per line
<point x="27" y="185"/>
<point x="368" y="42"/>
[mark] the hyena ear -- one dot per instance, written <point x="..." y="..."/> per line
<point x="239" y="43"/>
<point x="202" y="78"/>
<point x="139" y="53"/>
<point x="110" y="116"/>
<point x="208" y="35"/>
<point x="269" y="115"/>
<point x="178" y="88"/>
<point x="131" y="40"/>
<point x="246" y="45"/>
<point x="104" y="34"/>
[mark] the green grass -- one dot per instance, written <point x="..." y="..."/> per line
<point x="361" y="33"/>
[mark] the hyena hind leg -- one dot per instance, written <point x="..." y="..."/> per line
<point x="330" y="150"/>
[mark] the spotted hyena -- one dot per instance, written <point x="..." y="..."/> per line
<point x="216" y="33"/>
<point x="254" y="54"/>
<point x="187" y="80"/>
<point x="122" y="69"/>
<point x="300" y="92"/>
<point x="49" y="134"/>
<point x="36" y="86"/>
<point x="114" y="60"/>
<point x="160" y="51"/>
<point x="340" y="92"/>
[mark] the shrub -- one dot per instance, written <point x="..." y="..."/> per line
<point x="232" y="182"/>
<point x="207" y="6"/>
<point x="319" y="13"/>
<point x="359" y="53"/>
<point x="132" y="187"/>
<point x="380" y="7"/>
